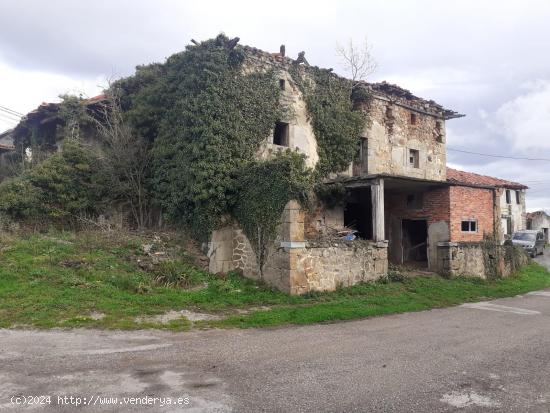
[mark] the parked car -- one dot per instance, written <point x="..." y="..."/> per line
<point x="531" y="240"/>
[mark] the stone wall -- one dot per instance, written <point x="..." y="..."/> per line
<point x="480" y="259"/>
<point x="300" y="131"/>
<point x="539" y="220"/>
<point x="396" y="125"/>
<point x="513" y="211"/>
<point x="391" y="133"/>
<point x="329" y="265"/>
<point x="297" y="266"/>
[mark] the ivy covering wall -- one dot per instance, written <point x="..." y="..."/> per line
<point x="204" y="116"/>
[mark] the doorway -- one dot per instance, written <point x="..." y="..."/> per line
<point x="415" y="241"/>
<point x="358" y="212"/>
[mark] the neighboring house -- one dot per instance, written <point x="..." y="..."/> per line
<point x="509" y="201"/>
<point x="7" y="152"/>
<point x="539" y="220"/>
<point x="405" y="204"/>
<point x="6" y="141"/>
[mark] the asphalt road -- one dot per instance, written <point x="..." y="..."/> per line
<point x="483" y="357"/>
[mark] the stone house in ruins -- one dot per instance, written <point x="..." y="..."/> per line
<point x="404" y="202"/>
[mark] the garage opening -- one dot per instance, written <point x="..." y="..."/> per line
<point x="415" y="242"/>
<point x="358" y="212"/>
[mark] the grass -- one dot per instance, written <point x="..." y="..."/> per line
<point x="67" y="279"/>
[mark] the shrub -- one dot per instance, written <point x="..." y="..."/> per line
<point x="177" y="273"/>
<point x="62" y="186"/>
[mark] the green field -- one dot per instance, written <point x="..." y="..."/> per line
<point x="93" y="279"/>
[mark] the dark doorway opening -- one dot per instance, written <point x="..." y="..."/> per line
<point x="415" y="241"/>
<point x="358" y="212"/>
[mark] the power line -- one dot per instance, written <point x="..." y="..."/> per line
<point x="10" y="115"/>
<point x="7" y="118"/>
<point x="12" y="111"/>
<point x="499" y="156"/>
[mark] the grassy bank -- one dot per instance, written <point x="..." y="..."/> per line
<point x="126" y="281"/>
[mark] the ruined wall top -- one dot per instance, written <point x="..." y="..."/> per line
<point x="382" y="90"/>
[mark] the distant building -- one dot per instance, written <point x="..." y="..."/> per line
<point x="539" y="220"/>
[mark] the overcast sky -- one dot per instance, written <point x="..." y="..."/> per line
<point x="487" y="59"/>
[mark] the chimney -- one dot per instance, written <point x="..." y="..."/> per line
<point x="282" y="50"/>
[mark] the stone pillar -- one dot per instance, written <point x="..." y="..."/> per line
<point x="294" y="243"/>
<point x="377" y="196"/>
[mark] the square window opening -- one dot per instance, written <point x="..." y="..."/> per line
<point x="413" y="119"/>
<point x="469" y="225"/>
<point x="414" y="158"/>
<point x="280" y="134"/>
<point x="508" y="197"/>
<point x="282" y="84"/>
<point x="518" y="198"/>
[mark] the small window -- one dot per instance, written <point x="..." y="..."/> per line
<point x="280" y="134"/>
<point x="363" y="149"/>
<point x="518" y="200"/>
<point x="414" y="201"/>
<point x="414" y="158"/>
<point x="282" y="84"/>
<point x="469" y="225"/>
<point x="389" y="112"/>
<point x="508" y="197"/>
<point x="413" y="119"/>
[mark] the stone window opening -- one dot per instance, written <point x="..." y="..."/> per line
<point x="363" y="150"/>
<point x="361" y="161"/>
<point x="468" y="225"/>
<point x="508" y="197"/>
<point x="280" y="134"/>
<point x="414" y="158"/>
<point x="413" y="118"/>
<point x="518" y="200"/>
<point x="282" y="84"/>
<point x="389" y="113"/>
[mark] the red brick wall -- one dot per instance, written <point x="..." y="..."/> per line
<point x="450" y="204"/>
<point x="467" y="203"/>
<point x="435" y="205"/>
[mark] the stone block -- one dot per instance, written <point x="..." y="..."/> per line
<point x="296" y="232"/>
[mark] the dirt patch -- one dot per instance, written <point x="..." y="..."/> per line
<point x="175" y="315"/>
<point x="96" y="315"/>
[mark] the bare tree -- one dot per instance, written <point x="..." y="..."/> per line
<point x="357" y="60"/>
<point x="126" y="159"/>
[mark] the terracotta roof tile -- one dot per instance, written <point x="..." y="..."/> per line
<point x="470" y="178"/>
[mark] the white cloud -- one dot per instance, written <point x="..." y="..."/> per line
<point x="25" y="90"/>
<point x="525" y="120"/>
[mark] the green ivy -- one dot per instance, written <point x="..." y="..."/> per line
<point x="336" y="120"/>
<point x="63" y="186"/>
<point x="205" y="118"/>
<point x="264" y="188"/>
<point x="216" y="122"/>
